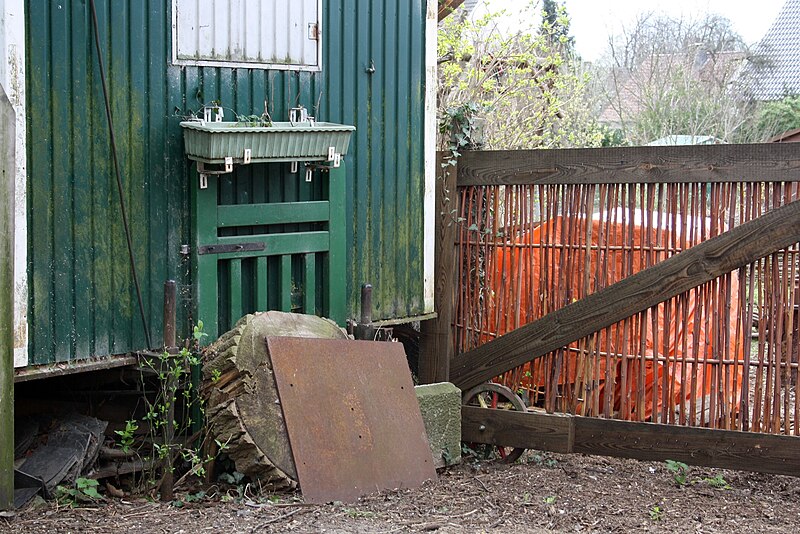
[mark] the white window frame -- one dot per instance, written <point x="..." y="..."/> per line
<point x="246" y="64"/>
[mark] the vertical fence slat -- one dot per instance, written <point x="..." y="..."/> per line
<point x="262" y="295"/>
<point x="286" y="283"/>
<point x="235" y="291"/>
<point x="310" y="284"/>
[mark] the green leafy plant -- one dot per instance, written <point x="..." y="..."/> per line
<point x="216" y="374"/>
<point x="656" y="513"/>
<point x="458" y="126"/>
<point x="254" y="120"/>
<point x="189" y="498"/>
<point x="717" y="481"/>
<point x="528" y="86"/>
<point x="85" y="491"/>
<point x="126" y="435"/>
<point x="550" y="499"/>
<point x="542" y="460"/>
<point x="172" y="409"/>
<point x="197" y="332"/>
<point x="679" y="470"/>
<point x="233" y="479"/>
<point x="355" y="513"/>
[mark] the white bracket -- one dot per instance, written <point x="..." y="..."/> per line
<point x="331" y="153"/>
<point x="309" y="174"/>
<point x="247" y="156"/>
<point x="294" y="167"/>
<point x="205" y="173"/>
<point x="337" y="160"/>
<point x="213" y="113"/>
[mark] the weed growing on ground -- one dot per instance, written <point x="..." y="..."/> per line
<point x="656" y="513"/>
<point x="680" y="473"/>
<point x="717" y="482"/>
<point x="679" y="470"/>
<point x="126" y="435"/>
<point x="85" y="491"/>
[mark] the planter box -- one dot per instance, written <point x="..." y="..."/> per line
<point x="212" y="142"/>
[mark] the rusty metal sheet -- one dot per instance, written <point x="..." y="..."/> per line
<point x="352" y="417"/>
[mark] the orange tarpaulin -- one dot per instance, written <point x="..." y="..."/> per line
<point x="695" y="327"/>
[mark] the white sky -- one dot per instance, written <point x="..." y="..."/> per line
<point x="594" y="20"/>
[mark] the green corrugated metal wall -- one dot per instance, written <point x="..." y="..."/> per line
<point x="81" y="295"/>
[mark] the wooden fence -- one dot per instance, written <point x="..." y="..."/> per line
<point x="624" y="282"/>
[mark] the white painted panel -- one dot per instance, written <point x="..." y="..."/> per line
<point x="12" y="76"/>
<point x="431" y="78"/>
<point x="247" y="33"/>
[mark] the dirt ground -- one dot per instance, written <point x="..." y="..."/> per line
<point x="541" y="493"/>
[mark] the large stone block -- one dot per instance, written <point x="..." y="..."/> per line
<point x="440" y="405"/>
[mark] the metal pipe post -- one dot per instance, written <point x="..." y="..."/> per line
<point x="365" y="330"/>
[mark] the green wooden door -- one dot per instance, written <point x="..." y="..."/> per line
<point x="252" y="255"/>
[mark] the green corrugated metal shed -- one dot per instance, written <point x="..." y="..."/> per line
<point x="81" y="297"/>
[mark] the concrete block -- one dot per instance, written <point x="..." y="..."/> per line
<point x="440" y="405"/>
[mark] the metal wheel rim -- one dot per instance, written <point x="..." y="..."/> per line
<point x="507" y="456"/>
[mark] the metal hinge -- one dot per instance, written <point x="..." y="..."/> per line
<point x="313" y="31"/>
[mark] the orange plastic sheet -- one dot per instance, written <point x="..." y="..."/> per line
<point x="533" y="272"/>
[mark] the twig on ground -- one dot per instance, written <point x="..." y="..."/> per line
<point x="252" y="504"/>
<point x="275" y="520"/>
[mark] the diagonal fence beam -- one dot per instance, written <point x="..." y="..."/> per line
<point x="702" y="263"/>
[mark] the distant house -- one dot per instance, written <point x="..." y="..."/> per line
<point x="780" y="47"/>
<point x="791" y="136"/>
<point x="673" y="140"/>
<point x="627" y="99"/>
<point x="630" y="90"/>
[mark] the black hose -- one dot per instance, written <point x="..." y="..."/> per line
<point x="119" y="179"/>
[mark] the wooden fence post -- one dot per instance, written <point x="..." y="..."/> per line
<point x="436" y="350"/>
<point x="7" y="172"/>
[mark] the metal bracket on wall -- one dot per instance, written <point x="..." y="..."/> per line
<point x="205" y="172"/>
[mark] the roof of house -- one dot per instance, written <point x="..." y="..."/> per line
<point x="791" y="136"/>
<point x="449" y="6"/>
<point x="672" y="140"/>
<point x="781" y="47"/>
